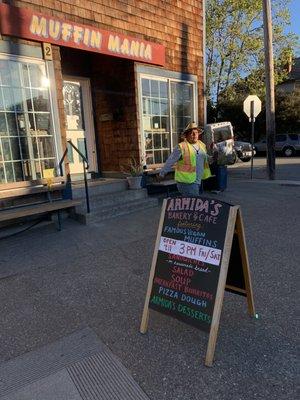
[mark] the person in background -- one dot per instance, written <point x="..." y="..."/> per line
<point x="191" y="162"/>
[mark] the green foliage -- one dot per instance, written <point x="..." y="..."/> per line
<point x="288" y="111"/>
<point x="235" y="46"/>
<point x="287" y="114"/>
<point x="134" y="168"/>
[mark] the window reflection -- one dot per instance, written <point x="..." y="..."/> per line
<point x="15" y="148"/>
<point x="12" y="124"/>
<point x="9" y="172"/>
<point x="154" y="88"/>
<point x="28" y="100"/>
<point x="163" y="90"/>
<point x="26" y="139"/>
<point x="18" y="171"/>
<point x="8" y="99"/>
<point x="159" y="119"/>
<point x="6" y="149"/>
<point x="2" y="174"/>
<point x="146" y="87"/>
<point x="40" y="100"/>
<point x="157" y="141"/>
<point x="21" y="120"/>
<point x="3" y="126"/>
<point x="45" y="147"/>
<point x="4" y="73"/>
<point x="36" y="74"/>
<point x="42" y="123"/>
<point x="155" y="119"/>
<point x="1" y="101"/>
<point x="148" y="141"/>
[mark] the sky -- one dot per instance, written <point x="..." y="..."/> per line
<point x="295" y="17"/>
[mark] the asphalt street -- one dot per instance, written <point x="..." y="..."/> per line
<point x="285" y="168"/>
<point x="55" y="283"/>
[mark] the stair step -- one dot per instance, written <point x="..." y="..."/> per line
<point x="114" y="199"/>
<point x="100" y="187"/>
<point x="108" y="212"/>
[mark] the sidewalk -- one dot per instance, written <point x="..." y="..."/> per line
<point x="56" y="284"/>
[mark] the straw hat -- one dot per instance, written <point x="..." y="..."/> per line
<point x="191" y="126"/>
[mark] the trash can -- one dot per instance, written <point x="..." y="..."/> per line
<point x="221" y="174"/>
<point x="218" y="182"/>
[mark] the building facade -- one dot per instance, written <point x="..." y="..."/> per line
<point x="120" y="79"/>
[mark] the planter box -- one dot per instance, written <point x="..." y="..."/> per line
<point x="134" y="182"/>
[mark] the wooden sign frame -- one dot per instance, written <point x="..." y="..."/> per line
<point x="234" y="225"/>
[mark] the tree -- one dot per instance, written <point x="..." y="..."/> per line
<point x="231" y="109"/>
<point x="288" y="111"/>
<point x="234" y="45"/>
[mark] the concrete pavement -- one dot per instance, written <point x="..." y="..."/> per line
<point x="53" y="284"/>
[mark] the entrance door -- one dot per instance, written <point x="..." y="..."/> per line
<point x="80" y="125"/>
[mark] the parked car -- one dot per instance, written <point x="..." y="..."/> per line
<point x="243" y="150"/>
<point x="287" y="144"/>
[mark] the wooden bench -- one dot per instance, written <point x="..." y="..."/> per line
<point x="152" y="181"/>
<point x="29" y="198"/>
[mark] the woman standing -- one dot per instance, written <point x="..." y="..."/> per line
<point x="191" y="162"/>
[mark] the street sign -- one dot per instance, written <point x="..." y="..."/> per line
<point x="252" y="107"/>
<point x="256" y="107"/>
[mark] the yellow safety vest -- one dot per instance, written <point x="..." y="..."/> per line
<point x="185" y="169"/>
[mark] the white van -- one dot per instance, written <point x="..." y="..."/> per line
<point x="219" y="141"/>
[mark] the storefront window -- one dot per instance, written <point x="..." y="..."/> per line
<point x="167" y="106"/>
<point x="156" y="120"/>
<point x="181" y="107"/>
<point x="27" y="148"/>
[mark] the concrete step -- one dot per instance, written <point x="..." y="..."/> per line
<point x="111" y="211"/>
<point x="99" y="187"/>
<point x="113" y="199"/>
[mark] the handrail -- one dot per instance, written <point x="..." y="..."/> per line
<point x="85" y="167"/>
<point x="79" y="152"/>
<point x="61" y="162"/>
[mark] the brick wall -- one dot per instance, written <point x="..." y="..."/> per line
<point x="114" y="95"/>
<point x="114" y="104"/>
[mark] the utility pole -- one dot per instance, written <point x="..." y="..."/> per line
<point x="270" y="93"/>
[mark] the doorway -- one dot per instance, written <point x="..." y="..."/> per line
<point x="80" y="125"/>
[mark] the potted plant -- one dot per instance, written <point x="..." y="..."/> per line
<point x="134" y="173"/>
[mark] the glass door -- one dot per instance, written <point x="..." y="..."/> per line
<point x="80" y="126"/>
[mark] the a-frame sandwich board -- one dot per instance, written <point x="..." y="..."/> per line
<point x="233" y="274"/>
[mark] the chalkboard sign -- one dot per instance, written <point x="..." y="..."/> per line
<point x="189" y="259"/>
<point x="189" y="270"/>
